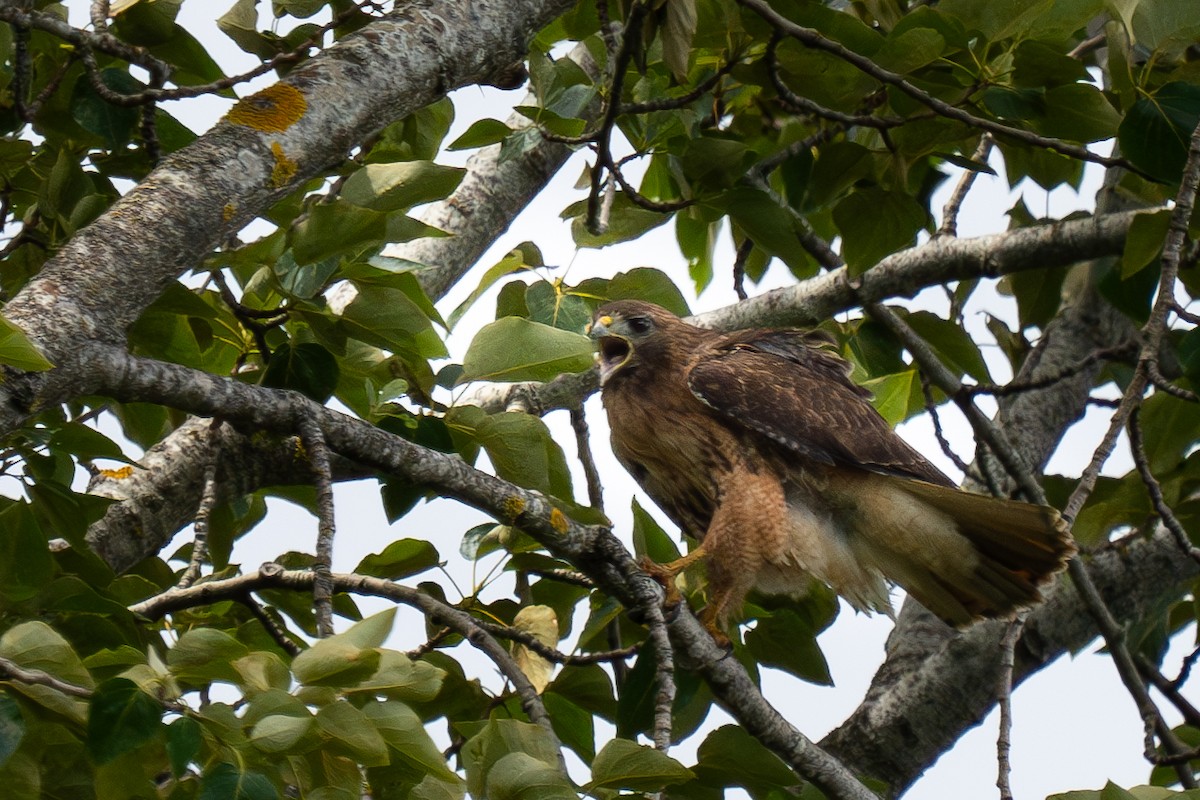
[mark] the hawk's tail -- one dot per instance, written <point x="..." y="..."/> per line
<point x="1017" y="547"/>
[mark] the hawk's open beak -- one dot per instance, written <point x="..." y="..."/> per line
<point x="614" y="350"/>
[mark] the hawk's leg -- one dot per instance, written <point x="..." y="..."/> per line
<point x="748" y="531"/>
<point x="665" y="574"/>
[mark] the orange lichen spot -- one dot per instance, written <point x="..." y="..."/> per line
<point x="558" y="521"/>
<point x="118" y="474"/>
<point x="513" y="506"/>
<point x="273" y="110"/>
<point x="228" y="211"/>
<point x="284" y="169"/>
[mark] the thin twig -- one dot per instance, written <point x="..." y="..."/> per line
<point x="739" y="268"/>
<point x="1169" y="690"/>
<point x="1004" y="688"/>
<point x="271" y="625"/>
<point x="949" y="226"/>
<point x="584" y="451"/>
<point x="1154" y="488"/>
<point x="932" y="410"/>
<point x="208" y="499"/>
<point x="318" y="455"/>
<point x="1160" y="382"/>
<point x="14" y="671"/>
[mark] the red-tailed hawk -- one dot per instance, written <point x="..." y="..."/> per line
<point x="759" y="445"/>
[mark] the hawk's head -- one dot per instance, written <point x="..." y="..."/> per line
<point x="629" y="333"/>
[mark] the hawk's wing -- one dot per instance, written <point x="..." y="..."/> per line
<point x="777" y="384"/>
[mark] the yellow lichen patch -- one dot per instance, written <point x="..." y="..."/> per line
<point x="117" y="474"/>
<point x="228" y="211"/>
<point x="513" y="506"/>
<point x="301" y="453"/>
<point x="284" y="169"/>
<point x="558" y="521"/>
<point x="273" y="110"/>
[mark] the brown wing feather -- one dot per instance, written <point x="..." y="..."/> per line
<point x="800" y="397"/>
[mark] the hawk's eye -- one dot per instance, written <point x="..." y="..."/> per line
<point x="640" y="324"/>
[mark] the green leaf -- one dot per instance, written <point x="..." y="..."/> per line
<point x="522" y="450"/>
<point x="623" y="764"/>
<point x="240" y="23"/>
<point x="554" y="305"/>
<point x="306" y="367"/>
<point x="183" y="744"/>
<point x="626" y="221"/>
<point x="17" y="351"/>
<point x="875" y="223"/>
<point x="520" y="259"/>
<point x="400" y="185"/>
<point x="279" y="733"/>
<point x="1144" y="241"/>
<point x="1037" y="64"/>
<point x="731" y="757"/>
<point x="112" y="123"/>
<point x="26" y="565"/>
<point x="786" y="641"/>
<point x="515" y="349"/>
<point x="772" y="227"/>
<point x="912" y="49"/>
<point x="228" y="782"/>
<point x="1080" y="112"/>
<point x="347" y="658"/>
<point x="958" y="350"/>
<point x="995" y="19"/>
<point x="405" y="734"/>
<point x="518" y="776"/>
<point x="303" y="281"/>
<point x="649" y="284"/>
<point x="121" y="718"/>
<point x="400" y="559"/>
<point x="353" y="733"/>
<point x="12" y="727"/>
<point x="1156" y="130"/>
<point x="203" y="655"/>
<point x="893" y="395"/>
<point x="678" y="30"/>
<point x="649" y="539"/>
<point x="498" y="739"/>
<point x="482" y="133"/>
<point x="387" y="317"/>
<point x="36" y="645"/>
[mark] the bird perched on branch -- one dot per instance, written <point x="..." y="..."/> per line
<point x="759" y="445"/>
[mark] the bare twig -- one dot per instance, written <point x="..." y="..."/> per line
<point x="584" y="449"/>
<point x="318" y="455"/>
<point x="270" y="625"/>
<point x="1004" y="700"/>
<point x="14" y="671"/>
<point x="950" y="211"/>
<point x="739" y="268"/>
<point x="208" y="499"/>
<point x="1154" y="488"/>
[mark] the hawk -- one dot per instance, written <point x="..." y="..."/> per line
<point x="758" y="444"/>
